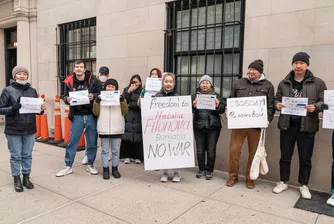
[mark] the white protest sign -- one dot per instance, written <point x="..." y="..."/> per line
<point x="110" y="98"/>
<point x="153" y="84"/>
<point x="30" y="105"/>
<point x="247" y="112"/>
<point x="328" y="115"/>
<point x="167" y="126"/>
<point x="79" y="98"/>
<point x="205" y="101"/>
<point x="294" y="106"/>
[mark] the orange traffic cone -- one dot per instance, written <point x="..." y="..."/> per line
<point x="57" y="136"/>
<point x="38" y="123"/>
<point x="67" y="129"/>
<point x="44" y="126"/>
<point x="81" y="144"/>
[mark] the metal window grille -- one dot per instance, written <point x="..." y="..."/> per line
<point x="77" y="41"/>
<point x="205" y="37"/>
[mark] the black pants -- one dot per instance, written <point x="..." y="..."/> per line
<point x="333" y="162"/>
<point x="206" y="141"/>
<point x="305" y="143"/>
<point x="132" y="150"/>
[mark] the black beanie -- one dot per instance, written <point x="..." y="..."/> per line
<point x="111" y="82"/>
<point x="257" y="64"/>
<point x="301" y="56"/>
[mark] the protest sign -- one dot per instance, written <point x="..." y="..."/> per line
<point x="294" y="106"/>
<point x="247" y="112"/>
<point x="110" y="98"/>
<point x="205" y="101"/>
<point x="167" y="126"/>
<point x="79" y="98"/>
<point x="30" y="105"/>
<point x="328" y="116"/>
<point x="153" y="84"/>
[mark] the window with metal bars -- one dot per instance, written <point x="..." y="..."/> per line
<point x="77" y="41"/>
<point x="205" y="37"/>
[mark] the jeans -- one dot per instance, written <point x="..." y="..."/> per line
<point x="305" y="143"/>
<point x="333" y="162"/>
<point x="206" y="142"/>
<point x="20" y="148"/>
<point x="106" y="144"/>
<point x="78" y="124"/>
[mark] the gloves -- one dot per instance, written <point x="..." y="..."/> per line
<point x="121" y="98"/>
<point x="98" y="99"/>
<point x="323" y="107"/>
<point x="16" y="107"/>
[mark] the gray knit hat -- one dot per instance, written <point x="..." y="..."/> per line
<point x="18" y="69"/>
<point x="205" y="78"/>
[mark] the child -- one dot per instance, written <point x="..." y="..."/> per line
<point x="110" y="126"/>
<point x="168" y="84"/>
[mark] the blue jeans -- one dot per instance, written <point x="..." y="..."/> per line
<point x="78" y="124"/>
<point x="108" y="143"/>
<point x="20" y="148"/>
<point x="333" y="162"/>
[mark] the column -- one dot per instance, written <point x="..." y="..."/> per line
<point x="24" y="46"/>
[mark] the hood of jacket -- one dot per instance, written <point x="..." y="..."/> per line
<point x="262" y="77"/>
<point x="16" y="85"/>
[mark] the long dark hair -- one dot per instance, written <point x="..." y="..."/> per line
<point x="136" y="76"/>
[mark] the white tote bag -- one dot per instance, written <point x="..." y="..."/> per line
<point x="259" y="164"/>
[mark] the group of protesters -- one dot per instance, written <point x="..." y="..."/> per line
<point x="120" y="129"/>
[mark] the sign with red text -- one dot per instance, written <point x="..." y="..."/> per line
<point x="168" y="137"/>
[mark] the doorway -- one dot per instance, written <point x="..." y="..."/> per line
<point x="10" y="52"/>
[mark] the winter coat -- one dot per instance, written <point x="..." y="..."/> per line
<point x="163" y="93"/>
<point x="133" y="129"/>
<point x="208" y="119"/>
<point x="16" y="123"/>
<point x="313" y="89"/>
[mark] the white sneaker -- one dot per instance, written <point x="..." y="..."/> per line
<point x="137" y="161"/>
<point x="91" y="169"/>
<point x="330" y="201"/>
<point x="85" y="160"/>
<point x="177" y="177"/>
<point x="305" y="192"/>
<point x="280" y="187"/>
<point x="65" y="171"/>
<point x="164" y="177"/>
<point x="127" y="161"/>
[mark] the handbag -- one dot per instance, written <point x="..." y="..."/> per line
<point x="259" y="163"/>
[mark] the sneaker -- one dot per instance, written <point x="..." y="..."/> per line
<point x="200" y="174"/>
<point x="65" y="171"/>
<point x="280" y="187"/>
<point x="85" y="160"/>
<point x="305" y="192"/>
<point x="208" y="175"/>
<point x="330" y="201"/>
<point x="137" y="161"/>
<point x="127" y="161"/>
<point x="177" y="177"/>
<point x="164" y="177"/>
<point x="91" y="169"/>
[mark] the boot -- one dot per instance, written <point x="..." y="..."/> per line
<point x="26" y="181"/>
<point x="17" y="184"/>
<point x="115" y="172"/>
<point x="106" y="173"/>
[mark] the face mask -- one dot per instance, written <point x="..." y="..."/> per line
<point x="22" y="82"/>
<point x="103" y="78"/>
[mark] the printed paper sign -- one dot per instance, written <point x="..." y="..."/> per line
<point x="110" y="98"/>
<point x="207" y="102"/>
<point x="167" y="126"/>
<point x="328" y="115"/>
<point x="247" y="112"/>
<point x="30" y="105"/>
<point x="294" y="106"/>
<point x="153" y="84"/>
<point x="79" y="98"/>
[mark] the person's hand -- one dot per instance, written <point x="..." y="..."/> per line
<point x="90" y="96"/>
<point x="195" y="102"/>
<point x="279" y="106"/>
<point x="324" y="107"/>
<point x="310" y="108"/>
<point x="121" y="98"/>
<point x="98" y="99"/>
<point x="16" y="107"/>
<point x="69" y="99"/>
<point x="217" y="102"/>
<point x="43" y="107"/>
<point x="132" y="88"/>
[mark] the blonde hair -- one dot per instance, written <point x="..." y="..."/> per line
<point x="168" y="74"/>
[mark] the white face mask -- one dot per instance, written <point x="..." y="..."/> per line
<point x="22" y="82"/>
<point x="103" y="78"/>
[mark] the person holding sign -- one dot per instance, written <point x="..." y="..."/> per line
<point x="154" y="73"/>
<point x="81" y="84"/>
<point x="207" y="126"/>
<point x="300" y="82"/>
<point x="132" y="140"/>
<point x="254" y="84"/>
<point x="110" y="126"/>
<point x="20" y="128"/>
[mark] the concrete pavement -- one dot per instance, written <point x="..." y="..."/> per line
<point x="138" y="197"/>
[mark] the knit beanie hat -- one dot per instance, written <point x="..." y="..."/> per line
<point x="18" y="69"/>
<point x="111" y="82"/>
<point x="301" y="56"/>
<point x="257" y="64"/>
<point x="205" y="78"/>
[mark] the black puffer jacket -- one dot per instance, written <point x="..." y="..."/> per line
<point x="17" y="124"/>
<point x="208" y="119"/>
<point x="133" y="131"/>
<point x="163" y="93"/>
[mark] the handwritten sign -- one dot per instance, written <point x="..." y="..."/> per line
<point x="207" y="102"/>
<point x="79" y="98"/>
<point x="110" y="98"/>
<point x="153" y="84"/>
<point x="30" y="105"/>
<point x="294" y="106"/>
<point x="167" y="126"/>
<point x="328" y="116"/>
<point x="247" y="112"/>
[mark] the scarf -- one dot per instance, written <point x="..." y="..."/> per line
<point x="210" y="91"/>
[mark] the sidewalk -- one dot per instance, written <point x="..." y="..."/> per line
<point x="138" y="197"/>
